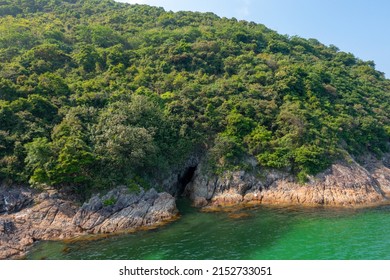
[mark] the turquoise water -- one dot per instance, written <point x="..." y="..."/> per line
<point x="283" y="233"/>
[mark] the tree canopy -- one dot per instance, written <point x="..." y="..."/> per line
<point x="100" y="93"/>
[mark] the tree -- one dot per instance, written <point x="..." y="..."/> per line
<point x="258" y="140"/>
<point x="87" y="57"/>
<point x="74" y="163"/>
<point x="39" y="160"/>
<point x="97" y="93"/>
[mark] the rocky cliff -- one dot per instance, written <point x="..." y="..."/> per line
<point x="29" y="216"/>
<point x="343" y="184"/>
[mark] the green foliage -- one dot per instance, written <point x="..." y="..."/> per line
<point x="258" y="140"/>
<point x="109" y="202"/>
<point x="226" y="153"/>
<point x="238" y="125"/>
<point x="73" y="162"/>
<point x="44" y="58"/>
<point x="87" y="57"/>
<point x="39" y="160"/>
<point x="100" y="93"/>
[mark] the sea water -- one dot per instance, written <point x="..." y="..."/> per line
<point x="263" y="232"/>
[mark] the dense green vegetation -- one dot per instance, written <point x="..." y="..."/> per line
<point x="99" y="93"/>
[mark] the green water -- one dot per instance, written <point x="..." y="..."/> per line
<point x="262" y="233"/>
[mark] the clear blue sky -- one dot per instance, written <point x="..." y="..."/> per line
<point x="357" y="26"/>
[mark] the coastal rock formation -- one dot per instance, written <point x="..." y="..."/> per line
<point x="343" y="184"/>
<point x="13" y="200"/>
<point x="119" y="210"/>
<point x="48" y="219"/>
<point x="53" y="218"/>
<point x="380" y="171"/>
<point x="28" y="216"/>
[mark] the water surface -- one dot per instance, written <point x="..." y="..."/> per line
<point x="258" y="233"/>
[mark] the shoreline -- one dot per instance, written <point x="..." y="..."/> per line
<point x="31" y="216"/>
<point x="342" y="185"/>
<point x="78" y="236"/>
<point x="234" y="212"/>
<point x="75" y="235"/>
<point x="256" y="204"/>
<point x="52" y="218"/>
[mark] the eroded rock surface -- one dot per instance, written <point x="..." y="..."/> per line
<point x="119" y="211"/>
<point x="26" y="216"/>
<point x="52" y="218"/>
<point x="13" y="200"/>
<point x="343" y="184"/>
<point x="47" y="220"/>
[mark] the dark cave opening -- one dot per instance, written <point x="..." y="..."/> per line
<point x="184" y="180"/>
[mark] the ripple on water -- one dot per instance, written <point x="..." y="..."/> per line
<point x="260" y="233"/>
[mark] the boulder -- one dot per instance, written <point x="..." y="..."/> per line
<point x="52" y="218"/>
<point x="14" y="199"/>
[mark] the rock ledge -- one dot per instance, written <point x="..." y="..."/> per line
<point x="342" y="185"/>
<point x="48" y="217"/>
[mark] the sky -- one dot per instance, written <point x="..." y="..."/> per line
<point x="360" y="27"/>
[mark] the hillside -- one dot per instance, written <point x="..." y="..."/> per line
<point x="95" y="94"/>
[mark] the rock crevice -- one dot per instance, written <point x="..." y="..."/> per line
<point x="27" y="216"/>
<point x="51" y="218"/>
<point x="343" y="184"/>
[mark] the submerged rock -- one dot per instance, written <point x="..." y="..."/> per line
<point x="54" y="218"/>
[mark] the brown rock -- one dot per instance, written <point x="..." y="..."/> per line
<point x="238" y="215"/>
<point x="199" y="202"/>
<point x="228" y="198"/>
<point x="163" y="208"/>
<point x="343" y="184"/>
<point x="54" y="218"/>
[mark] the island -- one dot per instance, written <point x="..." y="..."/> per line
<point x="109" y="112"/>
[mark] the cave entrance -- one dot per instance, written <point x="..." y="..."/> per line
<point x="185" y="179"/>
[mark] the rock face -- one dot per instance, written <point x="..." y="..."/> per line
<point x="48" y="219"/>
<point x="26" y="216"/>
<point x="120" y="211"/>
<point x="13" y="200"/>
<point x="380" y="171"/>
<point x="53" y="218"/>
<point x="343" y="184"/>
<point x="174" y="182"/>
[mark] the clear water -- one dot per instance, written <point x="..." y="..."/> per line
<point x="282" y="233"/>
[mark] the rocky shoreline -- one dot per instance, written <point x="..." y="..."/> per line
<point x="342" y="185"/>
<point x="27" y="215"/>
<point x="47" y="216"/>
